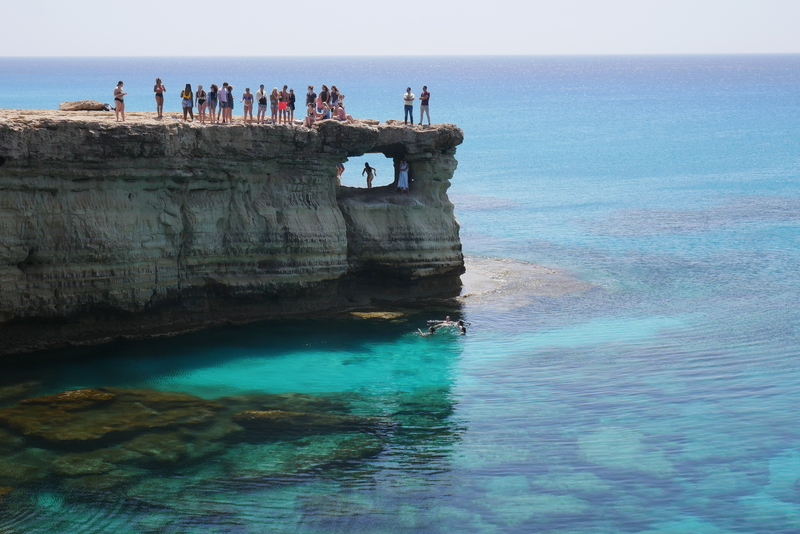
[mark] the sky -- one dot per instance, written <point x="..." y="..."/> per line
<point x="413" y="28"/>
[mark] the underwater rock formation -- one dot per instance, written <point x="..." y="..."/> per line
<point x="147" y="227"/>
<point x="96" y="439"/>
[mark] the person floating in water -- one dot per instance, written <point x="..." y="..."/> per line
<point x="447" y="322"/>
<point x="430" y="332"/>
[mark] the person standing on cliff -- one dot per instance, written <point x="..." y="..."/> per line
<point x="424" y="97"/>
<point x="408" y="102"/>
<point x="402" y="177"/>
<point x="119" y="99"/>
<point x="311" y="96"/>
<point x="159" y="90"/>
<point x="187" y="102"/>
<point x="371" y="173"/>
<point x="261" y="97"/>
<point x="223" y="103"/>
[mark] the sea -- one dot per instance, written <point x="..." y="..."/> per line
<point x="661" y="398"/>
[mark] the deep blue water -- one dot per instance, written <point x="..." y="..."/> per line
<point x="663" y="400"/>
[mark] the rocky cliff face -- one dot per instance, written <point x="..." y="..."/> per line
<point x="108" y="228"/>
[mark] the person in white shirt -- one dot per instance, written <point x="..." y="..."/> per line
<point x="262" y="98"/>
<point x="408" y="101"/>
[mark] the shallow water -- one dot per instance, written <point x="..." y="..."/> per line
<point x="656" y="395"/>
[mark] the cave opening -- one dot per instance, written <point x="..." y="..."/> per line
<point x="354" y="166"/>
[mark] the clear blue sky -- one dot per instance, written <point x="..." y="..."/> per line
<point x="411" y="27"/>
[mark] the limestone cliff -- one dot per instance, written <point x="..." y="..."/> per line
<point x="109" y="228"/>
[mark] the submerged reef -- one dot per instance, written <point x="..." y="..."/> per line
<point x="145" y="227"/>
<point x="120" y="443"/>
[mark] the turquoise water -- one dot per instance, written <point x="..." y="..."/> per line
<point x="662" y="400"/>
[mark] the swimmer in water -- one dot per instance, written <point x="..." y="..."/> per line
<point x="430" y="332"/>
<point x="447" y="322"/>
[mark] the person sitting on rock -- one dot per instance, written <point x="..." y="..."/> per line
<point x="311" y="116"/>
<point x="325" y="112"/>
<point x="341" y="114"/>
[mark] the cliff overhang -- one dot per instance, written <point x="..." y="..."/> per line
<point x="111" y="229"/>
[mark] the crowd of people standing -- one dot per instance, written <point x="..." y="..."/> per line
<point x="217" y="104"/>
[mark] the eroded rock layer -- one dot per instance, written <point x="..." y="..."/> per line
<point x="109" y="228"/>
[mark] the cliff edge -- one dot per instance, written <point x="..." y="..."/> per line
<point x="147" y="226"/>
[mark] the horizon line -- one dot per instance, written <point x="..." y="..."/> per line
<point x="632" y="54"/>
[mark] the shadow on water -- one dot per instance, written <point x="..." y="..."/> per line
<point x="172" y="434"/>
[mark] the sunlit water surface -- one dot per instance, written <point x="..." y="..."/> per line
<point x="663" y="399"/>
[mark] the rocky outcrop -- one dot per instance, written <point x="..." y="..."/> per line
<point x="82" y="105"/>
<point x="144" y="227"/>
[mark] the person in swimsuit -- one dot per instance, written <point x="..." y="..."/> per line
<point x="371" y="173"/>
<point x="212" y="102"/>
<point x="290" y="107"/>
<point x="261" y="98"/>
<point x="119" y="102"/>
<point x="273" y="104"/>
<point x="201" y="104"/>
<point x="341" y="114"/>
<point x="229" y="109"/>
<point x="247" y="98"/>
<point x="187" y="102"/>
<point x="430" y="332"/>
<point x="159" y="90"/>
<point x="311" y="115"/>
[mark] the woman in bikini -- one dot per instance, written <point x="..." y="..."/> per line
<point x="201" y="104"/>
<point x="311" y="115"/>
<point x="187" y="102"/>
<point x="119" y="102"/>
<point x="159" y="90"/>
<point x="247" y="98"/>
<point x="371" y="173"/>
